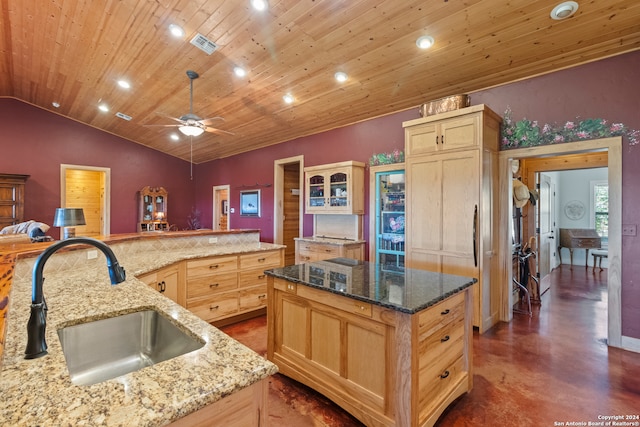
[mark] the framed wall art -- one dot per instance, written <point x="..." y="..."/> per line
<point x="250" y="203"/>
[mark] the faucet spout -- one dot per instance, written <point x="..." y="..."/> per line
<point x="36" y="344"/>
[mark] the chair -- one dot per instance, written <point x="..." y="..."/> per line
<point x="598" y="254"/>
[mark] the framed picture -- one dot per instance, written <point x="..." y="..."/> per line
<point x="225" y="207"/>
<point x="250" y="203"/>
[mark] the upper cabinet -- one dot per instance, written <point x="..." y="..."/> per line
<point x="435" y="133"/>
<point x="153" y="209"/>
<point x="336" y="188"/>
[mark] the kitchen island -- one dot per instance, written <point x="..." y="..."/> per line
<point x="391" y="346"/>
<point x="222" y="383"/>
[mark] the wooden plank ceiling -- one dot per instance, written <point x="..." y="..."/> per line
<point x="73" y="52"/>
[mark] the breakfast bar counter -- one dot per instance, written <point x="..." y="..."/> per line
<point x="180" y="390"/>
<point x="390" y="346"/>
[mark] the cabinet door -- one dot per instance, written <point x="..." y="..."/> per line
<point x="316" y="199"/>
<point x="459" y="132"/>
<point x="168" y="282"/>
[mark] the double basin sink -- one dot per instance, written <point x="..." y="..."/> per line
<point x="104" y="349"/>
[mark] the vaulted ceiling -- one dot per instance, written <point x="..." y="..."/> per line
<point x="73" y="53"/>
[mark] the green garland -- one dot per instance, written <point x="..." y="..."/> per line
<point x="396" y="156"/>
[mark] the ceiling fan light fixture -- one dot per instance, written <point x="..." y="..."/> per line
<point x="564" y="10"/>
<point x="191" y="130"/>
<point x="425" y="42"/>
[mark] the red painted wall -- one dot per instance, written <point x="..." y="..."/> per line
<point x="35" y="142"/>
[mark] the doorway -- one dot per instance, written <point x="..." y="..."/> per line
<point x="87" y="187"/>
<point x="613" y="148"/>
<point x="221" y="207"/>
<point x="288" y="204"/>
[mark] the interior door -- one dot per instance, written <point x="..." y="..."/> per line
<point x="86" y="189"/>
<point x="545" y="230"/>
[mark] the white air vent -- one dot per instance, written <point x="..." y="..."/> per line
<point x="204" y="44"/>
<point x="123" y="116"/>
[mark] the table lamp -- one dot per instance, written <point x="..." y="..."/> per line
<point x="68" y="218"/>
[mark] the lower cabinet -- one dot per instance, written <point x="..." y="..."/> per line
<point x="385" y="367"/>
<point x="168" y="281"/>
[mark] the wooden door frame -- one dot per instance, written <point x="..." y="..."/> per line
<point x="278" y="197"/>
<point x="106" y="202"/>
<point x="216" y="205"/>
<point x="613" y="146"/>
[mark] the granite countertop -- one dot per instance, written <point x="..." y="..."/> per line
<point x="401" y="289"/>
<point x="39" y="392"/>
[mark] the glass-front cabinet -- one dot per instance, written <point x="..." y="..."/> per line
<point x="335" y="188"/>
<point x="388" y="203"/>
<point x="153" y="209"/>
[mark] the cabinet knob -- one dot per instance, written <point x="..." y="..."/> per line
<point x="213" y="307"/>
<point x="214" y="285"/>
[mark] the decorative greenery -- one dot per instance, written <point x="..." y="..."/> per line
<point x="193" y="220"/>
<point x="396" y="156"/>
<point x="528" y="133"/>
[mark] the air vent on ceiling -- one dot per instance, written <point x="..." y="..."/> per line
<point x="204" y="44"/>
<point x="123" y="116"/>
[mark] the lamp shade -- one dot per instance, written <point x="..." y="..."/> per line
<point x="191" y="130"/>
<point x="69" y="217"/>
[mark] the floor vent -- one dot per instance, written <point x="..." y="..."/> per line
<point x="204" y="44"/>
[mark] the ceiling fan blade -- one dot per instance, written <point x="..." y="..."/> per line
<point x="163" y="126"/>
<point x="211" y="119"/>
<point x="215" y="130"/>
<point x="169" y="117"/>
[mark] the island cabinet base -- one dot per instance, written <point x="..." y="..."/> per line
<point x="385" y="367"/>
<point x="245" y="408"/>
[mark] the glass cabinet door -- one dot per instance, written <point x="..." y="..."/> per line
<point x="390" y="219"/>
<point x="316" y="191"/>
<point x="338" y="189"/>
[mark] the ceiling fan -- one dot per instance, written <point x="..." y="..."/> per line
<point x="190" y="124"/>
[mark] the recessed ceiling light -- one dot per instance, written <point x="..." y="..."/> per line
<point x="124" y="84"/>
<point x="239" y="71"/>
<point x="259" y="4"/>
<point x="56" y="104"/>
<point x="288" y="98"/>
<point x="176" y="30"/>
<point x="425" y="42"/>
<point x="103" y="107"/>
<point x="564" y="10"/>
<point x="341" y="76"/>
<point x="175" y="137"/>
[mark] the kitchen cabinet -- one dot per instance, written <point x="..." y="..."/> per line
<point x="452" y="219"/>
<point x="387" y="210"/>
<point x="169" y="281"/>
<point x="11" y="199"/>
<point x="152" y="212"/>
<point x="336" y="188"/>
<point x="310" y="249"/>
<point x="387" y="363"/>
<point x="220" y="288"/>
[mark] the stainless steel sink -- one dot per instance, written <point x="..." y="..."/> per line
<point x="107" y="348"/>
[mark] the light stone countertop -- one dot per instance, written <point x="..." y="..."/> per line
<point x="39" y="392"/>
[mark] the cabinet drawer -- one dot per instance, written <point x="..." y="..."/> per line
<point x="265" y="260"/>
<point x="586" y="243"/>
<point x="253" y="298"/>
<point x="449" y="338"/>
<point x="319" y="248"/>
<point x="202" y="286"/>
<point x="436" y="382"/>
<point x="440" y="315"/>
<point x="207" y="266"/>
<point x="252" y="278"/>
<point x="210" y="309"/>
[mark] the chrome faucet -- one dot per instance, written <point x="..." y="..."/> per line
<point x="36" y="344"/>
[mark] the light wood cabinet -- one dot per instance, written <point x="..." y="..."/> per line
<point x="336" y="188"/>
<point x="169" y="281"/>
<point x="11" y="199"/>
<point x="308" y="251"/>
<point x="386" y="367"/>
<point x="452" y="201"/>
<point x="222" y="287"/>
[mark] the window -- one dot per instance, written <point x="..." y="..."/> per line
<point x="600" y="220"/>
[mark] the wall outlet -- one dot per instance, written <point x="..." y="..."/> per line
<point x="629" y="230"/>
<point x="92" y="254"/>
<point x="213" y="240"/>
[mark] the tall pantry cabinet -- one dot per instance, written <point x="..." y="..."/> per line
<point x="452" y="201"/>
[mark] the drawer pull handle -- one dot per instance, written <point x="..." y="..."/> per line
<point x="213" y="307"/>
<point x="261" y="259"/>
<point x="214" y="285"/>
<point x="262" y="276"/>
<point x="212" y="267"/>
<point x="328" y="250"/>
<point x="444" y="375"/>
<point x="445" y="339"/>
<point x="444" y="313"/>
<point x="262" y="296"/>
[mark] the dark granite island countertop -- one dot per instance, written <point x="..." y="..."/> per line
<point x="405" y="290"/>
